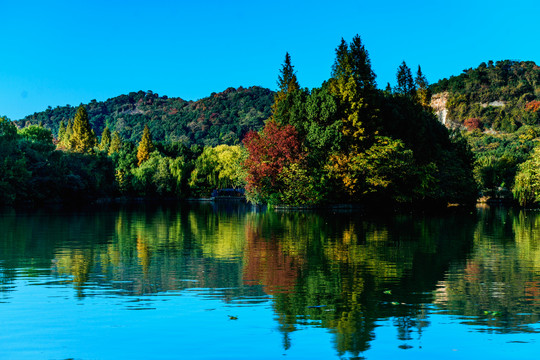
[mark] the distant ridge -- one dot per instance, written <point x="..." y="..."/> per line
<point x="221" y="118"/>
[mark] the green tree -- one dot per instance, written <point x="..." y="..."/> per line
<point x="405" y="83"/>
<point x="383" y="171"/>
<point x="422" y="90"/>
<point x="83" y="138"/>
<point x="527" y="183"/>
<point x="116" y="143"/>
<point x="146" y="147"/>
<point x="218" y="168"/>
<point x="8" y="130"/>
<point x="361" y="66"/>
<point x="61" y="131"/>
<point x="353" y="83"/>
<point x="64" y="140"/>
<point x="105" y="140"/>
<point x="40" y="138"/>
<point x="284" y="97"/>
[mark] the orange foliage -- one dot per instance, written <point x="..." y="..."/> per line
<point x="533" y="106"/>
<point x="472" y="124"/>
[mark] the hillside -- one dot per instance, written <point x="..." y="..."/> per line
<point x="502" y="96"/>
<point x="498" y="103"/>
<point x="221" y="118"/>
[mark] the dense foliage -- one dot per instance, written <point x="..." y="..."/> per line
<point x="349" y="142"/>
<point x="35" y="169"/>
<point x="32" y="170"/>
<point x="498" y="104"/>
<point x="222" y="118"/>
<point x="502" y="95"/>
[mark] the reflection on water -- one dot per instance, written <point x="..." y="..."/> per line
<point x="347" y="273"/>
<point x="497" y="284"/>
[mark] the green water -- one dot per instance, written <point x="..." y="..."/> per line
<point x="228" y="281"/>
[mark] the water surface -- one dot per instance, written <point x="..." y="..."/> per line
<point x="227" y="281"/>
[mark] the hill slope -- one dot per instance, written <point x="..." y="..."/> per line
<point x="503" y="95"/>
<point x="221" y="118"/>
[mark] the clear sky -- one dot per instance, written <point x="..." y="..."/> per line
<point x="59" y="52"/>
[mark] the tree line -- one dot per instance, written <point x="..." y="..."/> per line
<point x="344" y="141"/>
<point x="78" y="166"/>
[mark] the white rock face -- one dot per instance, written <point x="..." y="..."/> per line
<point x="497" y="103"/>
<point x="438" y="103"/>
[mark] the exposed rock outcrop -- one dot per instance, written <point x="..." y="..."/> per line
<point x="438" y="103"/>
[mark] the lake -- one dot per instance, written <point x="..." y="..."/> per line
<point x="228" y="281"/>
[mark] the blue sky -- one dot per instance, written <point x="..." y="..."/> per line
<point x="72" y="51"/>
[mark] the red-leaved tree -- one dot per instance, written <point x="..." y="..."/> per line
<point x="270" y="151"/>
<point x="473" y="124"/>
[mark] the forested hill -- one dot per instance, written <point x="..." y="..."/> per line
<point x="221" y="118"/>
<point x="502" y="95"/>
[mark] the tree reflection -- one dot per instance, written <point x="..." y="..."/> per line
<point x="334" y="270"/>
<point x="345" y="272"/>
<point x="497" y="285"/>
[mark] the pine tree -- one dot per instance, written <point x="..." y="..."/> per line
<point x="61" y="131"/>
<point x="105" y="140"/>
<point x="423" y="94"/>
<point x="287" y="83"/>
<point x="83" y="139"/>
<point x="64" y="139"/>
<point x="341" y="66"/>
<point x="116" y="143"/>
<point x="405" y="83"/>
<point x="353" y="82"/>
<point x="361" y="65"/>
<point x="287" y="80"/>
<point x="145" y="146"/>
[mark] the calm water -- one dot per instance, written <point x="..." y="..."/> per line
<point x="229" y="282"/>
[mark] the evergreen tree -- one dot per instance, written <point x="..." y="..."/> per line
<point x="105" y="140"/>
<point x="61" y="131"/>
<point x="353" y="82"/>
<point x="287" y="83"/>
<point x="83" y="138"/>
<point x="116" y="143"/>
<point x="361" y="65"/>
<point x="64" y="139"/>
<point x="287" y="80"/>
<point x="405" y="82"/>
<point x="423" y="94"/>
<point x="145" y="146"/>
<point x="341" y="66"/>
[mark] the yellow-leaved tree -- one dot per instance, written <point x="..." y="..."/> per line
<point x="145" y="146"/>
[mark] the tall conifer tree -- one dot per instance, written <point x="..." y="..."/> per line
<point x="405" y="82"/>
<point x="105" y="139"/>
<point x="353" y="82"/>
<point x="361" y="65"/>
<point x="116" y="143"/>
<point x="422" y="90"/>
<point x="83" y="138"/>
<point x="61" y="131"/>
<point x="341" y="65"/>
<point x="64" y="140"/>
<point x="287" y="84"/>
<point x="145" y="146"/>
